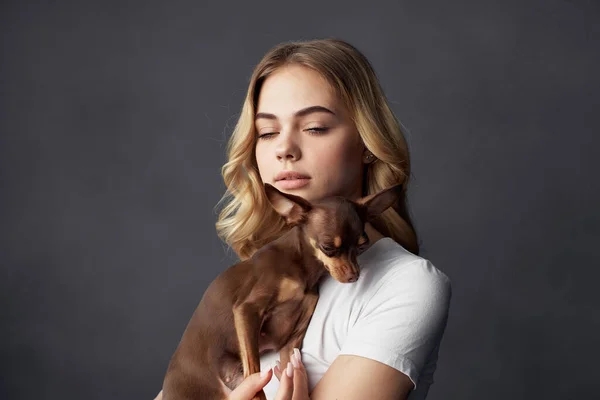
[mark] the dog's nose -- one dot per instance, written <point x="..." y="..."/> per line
<point x="353" y="277"/>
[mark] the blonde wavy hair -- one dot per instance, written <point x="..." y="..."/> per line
<point x="247" y="221"/>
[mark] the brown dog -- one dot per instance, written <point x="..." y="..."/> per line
<point x="266" y="302"/>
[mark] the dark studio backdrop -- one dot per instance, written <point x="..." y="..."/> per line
<point x="113" y="123"/>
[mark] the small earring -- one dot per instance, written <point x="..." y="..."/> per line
<point x="369" y="157"/>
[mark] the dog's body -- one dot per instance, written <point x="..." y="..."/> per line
<point x="266" y="302"/>
<point x="277" y="303"/>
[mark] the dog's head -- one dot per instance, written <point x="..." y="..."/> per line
<point x="334" y="226"/>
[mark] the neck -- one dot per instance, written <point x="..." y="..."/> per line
<point x="373" y="234"/>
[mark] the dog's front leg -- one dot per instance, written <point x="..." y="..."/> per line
<point x="308" y="306"/>
<point x="247" y="319"/>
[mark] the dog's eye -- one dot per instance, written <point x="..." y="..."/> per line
<point x="328" y="250"/>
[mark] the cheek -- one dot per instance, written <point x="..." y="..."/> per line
<point x="339" y="162"/>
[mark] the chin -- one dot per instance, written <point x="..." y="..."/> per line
<point x="305" y="192"/>
<point x="311" y="193"/>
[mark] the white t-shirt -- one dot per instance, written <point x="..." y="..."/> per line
<point x="395" y="313"/>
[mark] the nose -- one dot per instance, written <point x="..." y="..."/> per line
<point x="352" y="276"/>
<point x="287" y="148"/>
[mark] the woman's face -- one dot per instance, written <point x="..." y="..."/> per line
<point x="307" y="144"/>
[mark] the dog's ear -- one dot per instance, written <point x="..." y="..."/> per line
<point x="292" y="208"/>
<point x="377" y="203"/>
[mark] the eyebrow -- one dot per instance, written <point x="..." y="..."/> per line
<point x="300" y="113"/>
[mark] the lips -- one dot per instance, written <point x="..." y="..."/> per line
<point x="291" y="180"/>
<point x="290" y="175"/>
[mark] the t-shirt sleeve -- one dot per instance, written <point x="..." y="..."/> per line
<point x="404" y="320"/>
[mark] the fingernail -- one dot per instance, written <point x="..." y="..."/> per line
<point x="289" y="370"/>
<point x="264" y="373"/>
<point x="298" y="355"/>
<point x="295" y="362"/>
<point x="278" y="365"/>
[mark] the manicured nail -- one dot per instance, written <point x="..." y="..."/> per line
<point x="264" y="372"/>
<point x="298" y="355"/>
<point x="278" y="365"/>
<point x="289" y="370"/>
<point x="295" y="361"/>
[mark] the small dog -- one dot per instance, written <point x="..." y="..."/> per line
<point x="266" y="302"/>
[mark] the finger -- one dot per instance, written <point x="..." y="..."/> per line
<point x="300" y="380"/>
<point x="286" y="384"/>
<point x="300" y="391"/>
<point x="277" y="370"/>
<point x="250" y="386"/>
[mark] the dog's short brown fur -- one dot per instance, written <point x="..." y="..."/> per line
<point x="266" y="302"/>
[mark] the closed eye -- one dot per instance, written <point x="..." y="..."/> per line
<point x="312" y="131"/>
<point x="317" y="130"/>
<point x="329" y="251"/>
<point x="266" y="136"/>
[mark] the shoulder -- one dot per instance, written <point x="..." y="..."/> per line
<point x="420" y="278"/>
<point x="404" y="316"/>
<point x="405" y="276"/>
<point x="409" y="303"/>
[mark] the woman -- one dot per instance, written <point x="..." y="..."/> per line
<point x="315" y="110"/>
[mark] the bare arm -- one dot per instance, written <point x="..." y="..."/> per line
<point x="354" y="378"/>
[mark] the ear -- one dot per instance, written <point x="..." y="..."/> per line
<point x="292" y="208"/>
<point x="379" y="202"/>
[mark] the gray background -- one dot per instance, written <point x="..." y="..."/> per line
<point x="114" y="119"/>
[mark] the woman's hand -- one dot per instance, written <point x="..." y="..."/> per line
<point x="248" y="388"/>
<point x="251" y="385"/>
<point x="293" y="381"/>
